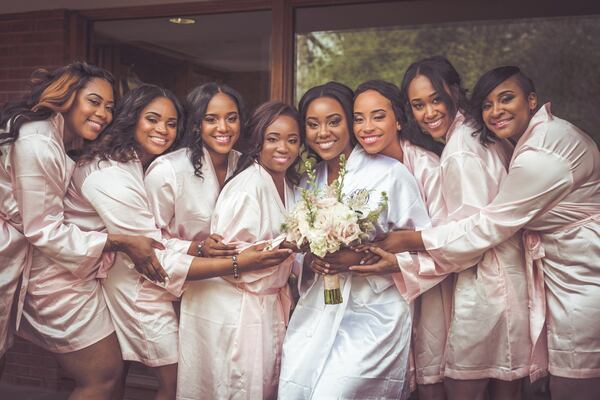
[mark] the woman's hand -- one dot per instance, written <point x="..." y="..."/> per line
<point x="387" y="263"/>
<point x="140" y="250"/>
<point x="255" y="257"/>
<point x="292" y="246"/>
<point x="213" y="247"/>
<point x="334" y="263"/>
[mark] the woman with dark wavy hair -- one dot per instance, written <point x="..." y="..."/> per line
<point x="489" y="298"/>
<point x="44" y="245"/>
<point x="109" y="190"/>
<point x="240" y="319"/>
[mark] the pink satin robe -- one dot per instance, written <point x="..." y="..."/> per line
<point x="240" y="324"/>
<point x="15" y="256"/>
<point x="63" y="309"/>
<point x="433" y="308"/>
<point x="183" y="204"/>
<point x="553" y="191"/>
<point x="112" y="197"/>
<point x="490" y="315"/>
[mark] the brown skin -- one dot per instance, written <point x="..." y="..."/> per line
<point x="327" y="133"/>
<point x="375" y="125"/>
<point x="220" y="130"/>
<point x="280" y="148"/>
<point x="250" y="259"/>
<point x="379" y="255"/>
<point x="90" y="113"/>
<point x="430" y="112"/>
<point x="140" y="250"/>
<point x="156" y="129"/>
<point x="507" y="110"/>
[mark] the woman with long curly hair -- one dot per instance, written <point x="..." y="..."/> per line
<point x="55" y="260"/>
<point x="109" y="190"/>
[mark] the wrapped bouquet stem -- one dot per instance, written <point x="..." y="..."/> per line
<point x="333" y="293"/>
<point x="328" y="221"/>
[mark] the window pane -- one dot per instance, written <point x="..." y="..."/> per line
<point x="180" y="57"/>
<point x="352" y="44"/>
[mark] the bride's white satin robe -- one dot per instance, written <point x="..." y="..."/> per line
<point x="63" y="309"/>
<point x="239" y="324"/>
<point x="553" y="191"/>
<point x="113" y="198"/>
<point x="360" y="348"/>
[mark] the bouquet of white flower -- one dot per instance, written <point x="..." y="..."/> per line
<point x="327" y="221"/>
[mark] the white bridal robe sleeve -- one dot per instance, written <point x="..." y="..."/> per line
<point x="238" y="343"/>
<point x="183" y="204"/>
<point x="358" y="349"/>
<point x="63" y="309"/>
<point x="142" y="311"/>
<point x="553" y="191"/>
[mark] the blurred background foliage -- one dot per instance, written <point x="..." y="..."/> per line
<point x="561" y="55"/>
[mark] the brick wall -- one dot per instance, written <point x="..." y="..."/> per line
<point x="29" y="41"/>
<point x="29" y="365"/>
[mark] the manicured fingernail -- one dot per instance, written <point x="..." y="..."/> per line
<point x="361" y="262"/>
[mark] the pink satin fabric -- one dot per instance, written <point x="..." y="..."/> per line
<point x="232" y="329"/>
<point x="432" y="308"/>
<point x="111" y="197"/>
<point x="490" y="315"/>
<point x="553" y="189"/>
<point x="64" y="309"/>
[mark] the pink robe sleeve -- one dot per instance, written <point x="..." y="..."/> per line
<point x="161" y="188"/>
<point x="467" y="186"/>
<point x="120" y="200"/>
<point x="408" y="281"/>
<point x="241" y="219"/>
<point x="40" y="174"/>
<point x="537" y="180"/>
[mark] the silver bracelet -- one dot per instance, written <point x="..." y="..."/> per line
<point x="236" y="267"/>
<point x="199" y="249"/>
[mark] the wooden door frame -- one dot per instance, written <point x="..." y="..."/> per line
<point x="80" y="35"/>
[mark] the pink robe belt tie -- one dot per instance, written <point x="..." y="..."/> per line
<point x="534" y="254"/>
